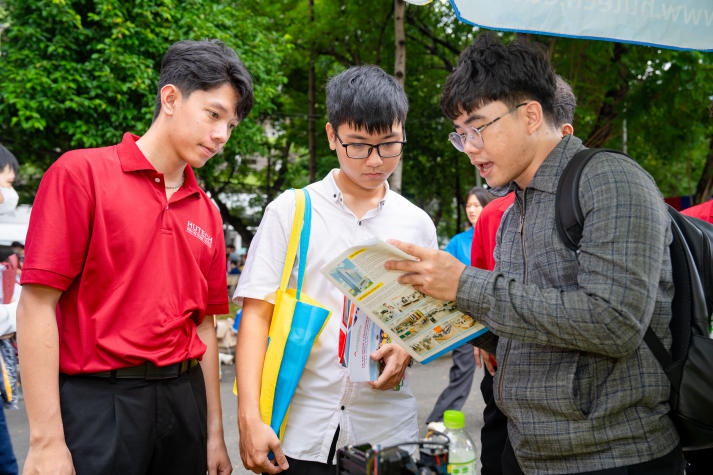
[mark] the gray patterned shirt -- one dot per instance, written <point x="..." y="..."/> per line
<point x="581" y="390"/>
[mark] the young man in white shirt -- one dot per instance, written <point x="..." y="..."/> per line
<point x="366" y="111"/>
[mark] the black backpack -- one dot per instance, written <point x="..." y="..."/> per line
<point x="689" y="364"/>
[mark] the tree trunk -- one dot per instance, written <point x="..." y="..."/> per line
<point x="705" y="184"/>
<point x="311" y="126"/>
<point x="613" y="98"/>
<point x="399" y="73"/>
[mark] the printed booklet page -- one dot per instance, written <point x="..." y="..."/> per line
<point x="424" y="326"/>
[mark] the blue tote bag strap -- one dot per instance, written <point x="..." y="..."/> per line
<point x="304" y="240"/>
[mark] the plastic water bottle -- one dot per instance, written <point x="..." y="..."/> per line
<point x="461" y="449"/>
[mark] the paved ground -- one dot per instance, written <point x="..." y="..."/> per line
<point x="427" y="382"/>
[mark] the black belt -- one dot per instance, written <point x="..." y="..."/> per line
<point x="147" y="370"/>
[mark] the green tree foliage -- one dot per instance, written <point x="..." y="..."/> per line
<point x="628" y="96"/>
<point x="340" y="34"/>
<point x="653" y="103"/>
<point x="79" y="73"/>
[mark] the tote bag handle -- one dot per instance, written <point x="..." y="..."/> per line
<point x="299" y="235"/>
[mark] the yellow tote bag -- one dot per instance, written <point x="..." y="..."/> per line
<point x="280" y="327"/>
<point x="281" y="317"/>
<point x="291" y="342"/>
<point x="297" y="321"/>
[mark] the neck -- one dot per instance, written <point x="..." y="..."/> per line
<point x="540" y="150"/>
<point x="162" y="158"/>
<point x="358" y="199"/>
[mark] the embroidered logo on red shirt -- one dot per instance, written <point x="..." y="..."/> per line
<point x="195" y="230"/>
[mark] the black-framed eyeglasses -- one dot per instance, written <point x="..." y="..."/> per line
<point x="476" y="138"/>
<point x="360" y="151"/>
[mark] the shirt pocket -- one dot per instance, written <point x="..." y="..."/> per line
<point x="544" y="382"/>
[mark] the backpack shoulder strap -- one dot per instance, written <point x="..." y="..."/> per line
<point x="568" y="213"/>
<point x="569" y="219"/>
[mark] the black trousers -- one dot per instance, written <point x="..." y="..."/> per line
<point x="135" y="426"/>
<point x="305" y="467"/>
<point x="700" y="462"/>
<point x="494" y="434"/>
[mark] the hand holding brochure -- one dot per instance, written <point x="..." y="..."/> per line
<point x="424" y="326"/>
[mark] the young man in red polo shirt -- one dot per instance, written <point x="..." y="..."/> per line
<point x="125" y="264"/>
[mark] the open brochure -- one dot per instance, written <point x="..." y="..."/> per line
<point x="363" y="337"/>
<point x="424" y="326"/>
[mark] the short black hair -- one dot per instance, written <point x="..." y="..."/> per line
<point x="367" y="98"/>
<point x="8" y="159"/>
<point x="489" y="71"/>
<point x="204" y="65"/>
<point x="565" y="102"/>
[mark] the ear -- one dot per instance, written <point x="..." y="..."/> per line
<point x="169" y="96"/>
<point x="535" y="118"/>
<point x="567" y="129"/>
<point x="331" y="137"/>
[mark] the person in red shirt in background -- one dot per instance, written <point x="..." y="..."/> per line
<point x="124" y="269"/>
<point x="702" y="211"/>
<point x="493" y="434"/>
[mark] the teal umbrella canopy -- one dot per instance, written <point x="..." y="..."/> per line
<point x="681" y="24"/>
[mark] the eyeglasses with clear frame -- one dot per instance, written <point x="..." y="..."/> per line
<point x="476" y="138"/>
<point x="360" y="151"/>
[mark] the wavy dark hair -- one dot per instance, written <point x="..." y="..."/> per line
<point x="489" y="70"/>
<point x="204" y="65"/>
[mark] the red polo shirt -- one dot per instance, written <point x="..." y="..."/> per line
<point x="138" y="272"/>
<point x="702" y="211"/>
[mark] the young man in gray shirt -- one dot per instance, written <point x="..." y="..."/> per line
<point x="582" y="392"/>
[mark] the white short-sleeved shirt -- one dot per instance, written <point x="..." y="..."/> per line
<point x="326" y="398"/>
